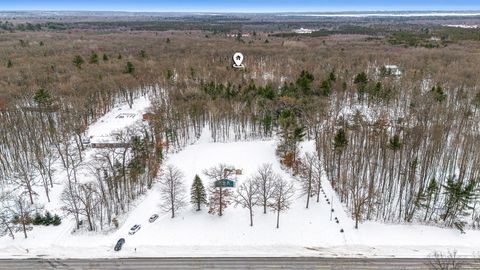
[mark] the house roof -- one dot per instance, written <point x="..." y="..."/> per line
<point x="106" y="128"/>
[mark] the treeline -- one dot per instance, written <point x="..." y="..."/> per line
<point x="9" y="26"/>
<point x="238" y="112"/>
<point x="416" y="161"/>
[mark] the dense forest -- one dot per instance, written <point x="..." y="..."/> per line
<point x="396" y="147"/>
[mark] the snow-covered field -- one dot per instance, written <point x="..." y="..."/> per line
<point x="386" y="14"/>
<point x="302" y="232"/>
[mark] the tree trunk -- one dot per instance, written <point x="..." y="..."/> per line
<point x="30" y="191"/>
<point x="278" y="219"/>
<point x="338" y="170"/>
<point x="24" y="229"/>
<point x="220" y="204"/>
<point x="89" y="218"/>
<point x="264" y="204"/>
<point x="251" y="217"/>
<point x="309" y="192"/>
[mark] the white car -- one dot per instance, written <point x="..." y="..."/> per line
<point x="134" y="229"/>
<point x="153" y="218"/>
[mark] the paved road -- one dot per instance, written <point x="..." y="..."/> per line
<point x="227" y="263"/>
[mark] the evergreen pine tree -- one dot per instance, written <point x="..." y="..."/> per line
<point x="395" y="143"/>
<point x="332" y="77"/>
<point x="48" y="218"/>
<point x="304" y="82"/>
<point x="438" y="93"/>
<point x="459" y="197"/>
<point x="42" y="97"/>
<point x="129" y="68"/>
<point x="428" y="196"/>
<point x="291" y="134"/>
<point x="38" y="219"/>
<point x="198" y="194"/>
<point x="78" y="61"/>
<point x="340" y="142"/>
<point x="56" y="220"/>
<point x="9" y="63"/>
<point x="326" y="88"/>
<point x="93" y="58"/>
<point x="361" y="81"/>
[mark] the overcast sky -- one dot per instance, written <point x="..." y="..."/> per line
<point x="239" y="5"/>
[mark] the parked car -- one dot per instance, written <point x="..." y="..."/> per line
<point x="134" y="229"/>
<point x="153" y="218"/>
<point x="119" y="244"/>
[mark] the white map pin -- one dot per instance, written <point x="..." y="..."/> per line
<point x="238" y="59"/>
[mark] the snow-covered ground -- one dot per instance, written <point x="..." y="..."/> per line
<point x="117" y="120"/>
<point x="466" y="26"/>
<point x="103" y="130"/>
<point x="385" y="14"/>
<point x="302" y="232"/>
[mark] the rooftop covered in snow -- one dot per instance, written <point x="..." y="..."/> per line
<point x="107" y="128"/>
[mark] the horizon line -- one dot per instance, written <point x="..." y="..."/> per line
<point x="378" y="11"/>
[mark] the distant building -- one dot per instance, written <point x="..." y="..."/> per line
<point x="303" y="31"/>
<point x="107" y="132"/>
<point x="236" y="35"/>
<point x="465" y="26"/>
<point x="389" y="70"/>
<point x="111" y="141"/>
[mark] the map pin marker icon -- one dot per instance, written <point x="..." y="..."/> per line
<point x="238" y="59"/>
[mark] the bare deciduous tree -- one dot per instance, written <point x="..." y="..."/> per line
<point x="172" y="190"/>
<point x="247" y="196"/>
<point x="265" y="180"/>
<point x="22" y="211"/>
<point x="6" y="216"/>
<point x="218" y="197"/>
<point x="281" y="197"/>
<point x="441" y="261"/>
<point x="309" y="176"/>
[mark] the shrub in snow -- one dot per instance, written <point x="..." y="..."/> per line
<point x="56" y="220"/>
<point x="46" y="220"/>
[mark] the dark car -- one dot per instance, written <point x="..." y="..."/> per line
<point x="119" y="244"/>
